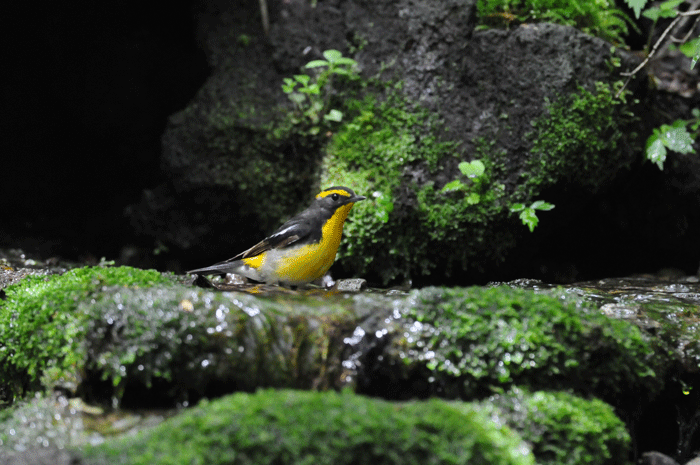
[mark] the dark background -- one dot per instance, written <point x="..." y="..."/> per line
<point x="87" y="89"/>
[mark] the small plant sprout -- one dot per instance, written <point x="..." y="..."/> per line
<point x="473" y="170"/>
<point x="674" y="137"/>
<point x="311" y="95"/>
<point x="528" y="215"/>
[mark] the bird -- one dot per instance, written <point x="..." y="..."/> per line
<point x="301" y="250"/>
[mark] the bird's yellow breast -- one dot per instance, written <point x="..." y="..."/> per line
<point x="307" y="262"/>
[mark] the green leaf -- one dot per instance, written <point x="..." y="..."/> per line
<point x="312" y="89"/>
<point x="316" y="64"/>
<point x="302" y="78"/>
<point x="473" y="169"/>
<point x="473" y="198"/>
<point x="288" y="85"/>
<point x="345" y="61"/>
<point x="670" y="5"/>
<point x="541" y="205"/>
<point x="652" y="13"/>
<point x="529" y="218"/>
<point x="655" y="150"/>
<point x="691" y="49"/>
<point x="669" y="13"/>
<point x="636" y="5"/>
<point x="665" y="10"/>
<point x="677" y="138"/>
<point x="453" y="186"/>
<point x="332" y="55"/>
<point x="516" y="207"/>
<point x="334" y="115"/>
<point x="655" y="13"/>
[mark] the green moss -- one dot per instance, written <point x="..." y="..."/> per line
<point x="174" y="345"/>
<point x="579" y="138"/>
<point x="318" y="428"/>
<point x="40" y="325"/>
<point x="369" y="154"/>
<point x="386" y="151"/>
<point x="597" y="17"/>
<point x="396" y="134"/>
<point x="564" y="429"/>
<point x="475" y="340"/>
<point x="453" y="218"/>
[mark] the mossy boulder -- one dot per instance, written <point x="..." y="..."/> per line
<point x="137" y="337"/>
<point x="176" y="345"/>
<point x="469" y="342"/>
<point x="557" y="427"/>
<point x="42" y="327"/>
<point x="564" y="429"/>
<point x="396" y="152"/>
<point x="321" y="428"/>
<point x="568" y="128"/>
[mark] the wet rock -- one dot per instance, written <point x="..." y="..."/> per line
<point x="656" y="458"/>
<point x="351" y="285"/>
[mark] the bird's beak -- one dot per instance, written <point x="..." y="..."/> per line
<point x="356" y="198"/>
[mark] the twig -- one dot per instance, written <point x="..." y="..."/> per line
<point x="265" y="17"/>
<point x="648" y="57"/>
<point x="691" y="29"/>
<point x="685" y="15"/>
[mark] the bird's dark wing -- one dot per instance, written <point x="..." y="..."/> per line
<point x="296" y="229"/>
<point x="306" y="226"/>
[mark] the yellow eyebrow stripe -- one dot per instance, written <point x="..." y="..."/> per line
<point x="334" y="191"/>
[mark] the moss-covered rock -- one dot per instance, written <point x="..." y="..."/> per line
<point x="564" y="429"/>
<point x="174" y="345"/>
<point x="136" y="337"/>
<point x="557" y="426"/>
<point x="321" y="428"/>
<point x="393" y="151"/>
<point x="578" y="136"/>
<point x="42" y="328"/>
<point x="471" y="342"/>
<point x="404" y="155"/>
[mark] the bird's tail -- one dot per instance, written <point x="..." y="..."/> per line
<point x="219" y="268"/>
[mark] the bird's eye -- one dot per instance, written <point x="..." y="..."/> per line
<point x="335" y="197"/>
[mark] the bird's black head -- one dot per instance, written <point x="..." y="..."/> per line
<point x="337" y="196"/>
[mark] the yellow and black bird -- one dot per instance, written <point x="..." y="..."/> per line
<point x="301" y="250"/>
